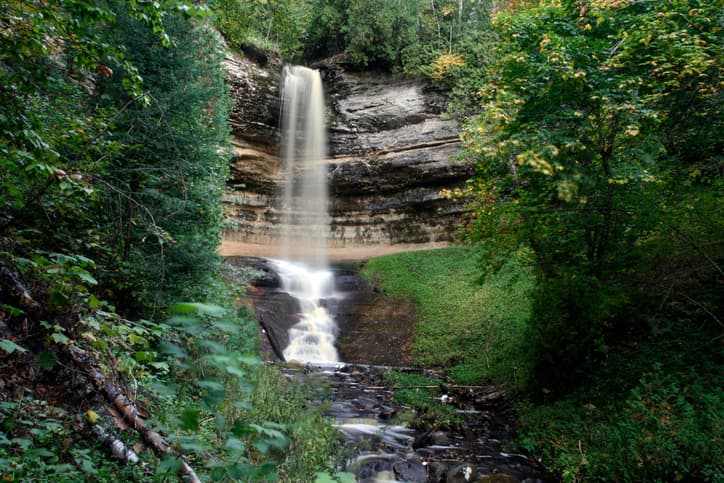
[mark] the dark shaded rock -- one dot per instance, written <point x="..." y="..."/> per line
<point x="410" y="470"/>
<point x="255" y="53"/>
<point x="264" y="275"/>
<point x="440" y="438"/>
<point x="437" y="472"/>
<point x="500" y="478"/>
<point x="370" y="466"/>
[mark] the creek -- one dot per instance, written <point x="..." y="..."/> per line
<point x="385" y="440"/>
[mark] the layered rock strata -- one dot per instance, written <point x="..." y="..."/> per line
<point x="391" y="152"/>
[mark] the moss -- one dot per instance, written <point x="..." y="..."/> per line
<point x="472" y="326"/>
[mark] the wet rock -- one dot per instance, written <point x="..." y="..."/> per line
<point x="500" y="478"/>
<point x="264" y="275"/>
<point x="411" y="470"/>
<point x="370" y="466"/>
<point x="462" y="474"/>
<point x="437" y="472"/>
<point x="439" y="438"/>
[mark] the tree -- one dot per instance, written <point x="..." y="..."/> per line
<point x="600" y="119"/>
<point x="163" y="189"/>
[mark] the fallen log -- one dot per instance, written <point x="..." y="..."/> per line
<point x="10" y="284"/>
<point x="118" y="449"/>
<point x="125" y="408"/>
<point x="13" y="291"/>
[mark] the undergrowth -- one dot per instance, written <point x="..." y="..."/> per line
<point x="420" y="394"/>
<point x="650" y="411"/>
<point x="198" y="375"/>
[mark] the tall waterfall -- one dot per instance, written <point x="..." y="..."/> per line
<point x="304" y="267"/>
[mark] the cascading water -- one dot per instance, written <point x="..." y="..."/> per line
<point x="304" y="267"/>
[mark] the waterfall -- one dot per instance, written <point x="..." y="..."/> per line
<point x="303" y="267"/>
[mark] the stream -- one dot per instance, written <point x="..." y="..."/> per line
<point x="385" y="441"/>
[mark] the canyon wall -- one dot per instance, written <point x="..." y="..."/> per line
<point x="391" y="152"/>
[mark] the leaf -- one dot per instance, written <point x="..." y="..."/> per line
<point x="235" y="444"/>
<point x="35" y="452"/>
<point x="10" y="346"/>
<point x="228" y="327"/>
<point x="198" y="308"/>
<point x="262" y="446"/>
<point x="60" y="338"/>
<point x="343" y="477"/>
<point x="46" y="360"/>
<point x="172" y="349"/>
<point x="86" y="277"/>
<point x="211" y="385"/>
<point x="190" y="419"/>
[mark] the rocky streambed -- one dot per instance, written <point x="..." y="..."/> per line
<point x="389" y="441"/>
<point x="453" y="433"/>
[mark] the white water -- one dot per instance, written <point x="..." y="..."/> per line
<point x="312" y="338"/>
<point x="305" y="219"/>
<point x="304" y="269"/>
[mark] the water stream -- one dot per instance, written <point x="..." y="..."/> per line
<point x="303" y="266"/>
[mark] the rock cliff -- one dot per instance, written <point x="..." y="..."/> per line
<point x="391" y="151"/>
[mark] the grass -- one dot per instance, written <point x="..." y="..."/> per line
<point x="472" y="327"/>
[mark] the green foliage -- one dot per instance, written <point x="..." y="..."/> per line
<point x="484" y="338"/>
<point x="314" y="442"/>
<point x="649" y="415"/>
<point x="580" y="157"/>
<point x="275" y="24"/>
<point x="37" y="441"/>
<point x="52" y="137"/>
<point x="162" y="189"/>
<point x="113" y="128"/>
<point x="370" y="32"/>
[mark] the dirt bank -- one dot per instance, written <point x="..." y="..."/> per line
<point x="230" y="248"/>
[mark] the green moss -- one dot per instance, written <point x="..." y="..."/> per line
<point x="472" y="326"/>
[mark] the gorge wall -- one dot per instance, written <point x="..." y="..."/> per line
<point x="391" y="152"/>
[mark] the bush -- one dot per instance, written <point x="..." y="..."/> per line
<point x="663" y="425"/>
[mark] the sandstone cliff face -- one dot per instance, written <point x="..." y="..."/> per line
<point x="391" y="151"/>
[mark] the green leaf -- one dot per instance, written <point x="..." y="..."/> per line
<point x="46" y="360"/>
<point x="198" y="308"/>
<point x="172" y="349"/>
<point x="60" y="338"/>
<point x="344" y="477"/>
<point x="35" y="452"/>
<point x="235" y="444"/>
<point x="10" y="346"/>
<point x="190" y="419"/>
<point x="86" y="277"/>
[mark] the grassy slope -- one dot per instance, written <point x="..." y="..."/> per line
<point x="474" y="328"/>
<point x="651" y="411"/>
